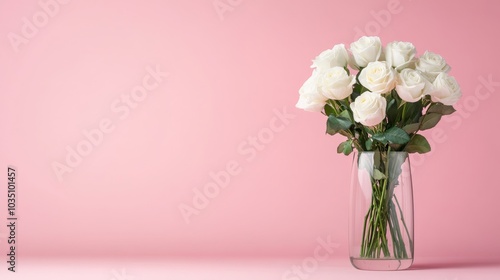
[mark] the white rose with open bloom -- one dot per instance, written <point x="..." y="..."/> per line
<point x="337" y="56"/>
<point x="378" y="77"/>
<point x="411" y="85"/>
<point x="400" y="55"/>
<point x="310" y="99"/>
<point x="369" y="108"/>
<point x="335" y="83"/>
<point x="445" y="90"/>
<point x="366" y="50"/>
<point x="431" y="65"/>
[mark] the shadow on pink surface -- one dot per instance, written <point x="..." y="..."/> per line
<point x="455" y="264"/>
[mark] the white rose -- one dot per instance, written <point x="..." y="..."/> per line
<point x="337" y="56"/>
<point x="445" y="90"/>
<point x="369" y="108"/>
<point x="366" y="50"/>
<point x="335" y="83"/>
<point x="310" y="99"/>
<point x="411" y="85"/>
<point x="378" y="77"/>
<point x="431" y="65"/>
<point x="400" y="54"/>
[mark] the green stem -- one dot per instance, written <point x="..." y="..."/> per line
<point x="418" y="129"/>
<point x="399" y="243"/>
<point x="404" y="223"/>
<point x="334" y="106"/>
<point x="382" y="219"/>
<point x="379" y="234"/>
<point x="356" y="144"/>
<point x="394" y="239"/>
<point x="403" y="114"/>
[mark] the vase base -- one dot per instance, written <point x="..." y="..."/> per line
<point x="381" y="264"/>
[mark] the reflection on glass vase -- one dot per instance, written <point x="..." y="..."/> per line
<point x="381" y="211"/>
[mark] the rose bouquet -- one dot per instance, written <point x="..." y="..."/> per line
<point x="380" y="98"/>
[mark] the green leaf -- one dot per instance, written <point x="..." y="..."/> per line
<point x="411" y="127"/>
<point x="368" y="130"/>
<point x="345" y="114"/>
<point x="355" y="93"/>
<point x="345" y="147"/>
<point x="413" y="112"/>
<point x="396" y="97"/>
<point x="393" y="135"/>
<point x="336" y="124"/>
<point x="392" y="111"/>
<point x="418" y="144"/>
<point x="396" y="135"/>
<point x="376" y="159"/>
<point x="345" y="104"/>
<point x="380" y="137"/>
<point x="345" y="133"/>
<point x="440" y="108"/>
<point x="396" y="147"/>
<point x="401" y="104"/>
<point x="430" y="120"/>
<point x="368" y="144"/>
<point x="377" y="175"/>
<point x="329" y="110"/>
<point x="357" y="89"/>
<point x="340" y="147"/>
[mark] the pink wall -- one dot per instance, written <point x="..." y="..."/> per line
<point x="230" y="76"/>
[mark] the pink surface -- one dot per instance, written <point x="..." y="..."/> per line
<point x="93" y="78"/>
<point x="250" y="269"/>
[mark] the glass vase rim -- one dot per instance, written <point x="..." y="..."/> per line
<point x="371" y="152"/>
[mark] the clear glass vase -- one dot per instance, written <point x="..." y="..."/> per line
<point x="381" y="211"/>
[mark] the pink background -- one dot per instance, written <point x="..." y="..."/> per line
<point x="227" y="77"/>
